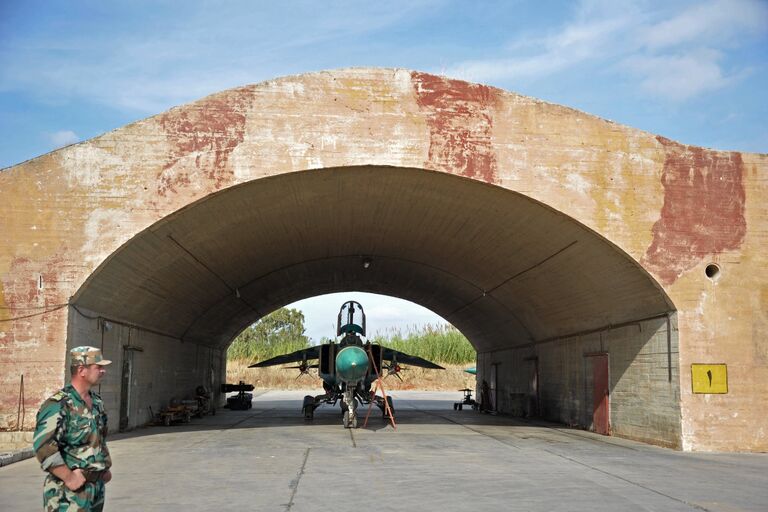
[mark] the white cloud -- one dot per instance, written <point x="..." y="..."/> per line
<point x="493" y="70"/>
<point x="673" y="56"/>
<point x="63" y="138"/>
<point x="711" y="22"/>
<point x="575" y="43"/>
<point x="385" y="312"/>
<point x="679" y="77"/>
<point x="202" y="51"/>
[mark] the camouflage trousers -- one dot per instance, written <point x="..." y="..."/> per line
<point x="58" y="498"/>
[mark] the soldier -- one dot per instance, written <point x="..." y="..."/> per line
<point x="70" y="439"/>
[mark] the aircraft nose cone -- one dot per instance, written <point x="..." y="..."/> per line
<point x="351" y="364"/>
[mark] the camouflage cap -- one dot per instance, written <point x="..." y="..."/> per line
<point x="87" y="355"/>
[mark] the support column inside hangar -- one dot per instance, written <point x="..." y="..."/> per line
<point x="526" y="284"/>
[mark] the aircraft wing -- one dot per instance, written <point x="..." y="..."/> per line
<point x="300" y="355"/>
<point x="389" y="354"/>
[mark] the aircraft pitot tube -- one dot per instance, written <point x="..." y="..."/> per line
<point x="351" y="364"/>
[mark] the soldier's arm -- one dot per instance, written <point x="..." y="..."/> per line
<point x="107" y="474"/>
<point x="104" y="429"/>
<point x="48" y="432"/>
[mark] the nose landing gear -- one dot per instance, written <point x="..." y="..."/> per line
<point x="349" y="406"/>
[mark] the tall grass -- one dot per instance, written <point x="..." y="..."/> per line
<point x="252" y="351"/>
<point x="443" y="344"/>
<point x="438" y="343"/>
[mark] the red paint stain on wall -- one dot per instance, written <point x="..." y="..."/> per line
<point x="703" y="211"/>
<point x="460" y="119"/>
<point x="20" y="292"/>
<point x="32" y="285"/>
<point x="210" y="130"/>
<point x="31" y="343"/>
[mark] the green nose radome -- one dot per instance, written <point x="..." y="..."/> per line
<point x="351" y="364"/>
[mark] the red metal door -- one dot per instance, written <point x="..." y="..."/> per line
<point x="600" y="410"/>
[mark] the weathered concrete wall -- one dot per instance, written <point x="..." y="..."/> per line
<point x="643" y="380"/>
<point x="671" y="207"/>
<point x="163" y="368"/>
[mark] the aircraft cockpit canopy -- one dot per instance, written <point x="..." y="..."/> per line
<point x="351" y="319"/>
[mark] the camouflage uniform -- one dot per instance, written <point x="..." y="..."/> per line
<point x="70" y="433"/>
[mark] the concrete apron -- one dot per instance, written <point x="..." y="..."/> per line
<point x="268" y="458"/>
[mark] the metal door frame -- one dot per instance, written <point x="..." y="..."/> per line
<point x="126" y="380"/>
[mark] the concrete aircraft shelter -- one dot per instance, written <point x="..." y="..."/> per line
<point x="554" y="240"/>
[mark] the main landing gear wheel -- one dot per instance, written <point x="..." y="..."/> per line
<point x="308" y="409"/>
<point x="391" y="407"/>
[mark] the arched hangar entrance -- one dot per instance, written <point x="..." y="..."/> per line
<point x="538" y="230"/>
<point x="542" y="298"/>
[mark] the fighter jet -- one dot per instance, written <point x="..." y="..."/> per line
<point x="349" y="367"/>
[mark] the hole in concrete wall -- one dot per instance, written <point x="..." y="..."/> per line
<point x="712" y="271"/>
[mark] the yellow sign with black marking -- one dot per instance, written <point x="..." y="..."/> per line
<point x="709" y="378"/>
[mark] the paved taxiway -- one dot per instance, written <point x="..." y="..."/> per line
<point x="269" y="459"/>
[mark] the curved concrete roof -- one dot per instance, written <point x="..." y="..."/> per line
<point x="503" y="268"/>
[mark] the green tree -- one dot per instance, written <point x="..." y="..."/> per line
<point x="280" y="332"/>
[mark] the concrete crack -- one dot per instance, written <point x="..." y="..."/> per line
<point x="295" y="483"/>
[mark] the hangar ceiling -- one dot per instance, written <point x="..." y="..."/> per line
<point x="503" y="268"/>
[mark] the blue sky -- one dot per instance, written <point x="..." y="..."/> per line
<point x="693" y="71"/>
